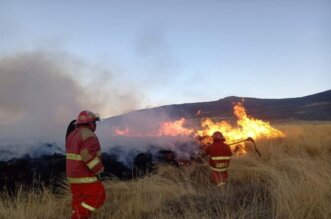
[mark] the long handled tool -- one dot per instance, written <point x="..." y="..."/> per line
<point x="248" y="139"/>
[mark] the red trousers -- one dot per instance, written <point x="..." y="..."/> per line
<point x="86" y="198"/>
<point x="218" y="178"/>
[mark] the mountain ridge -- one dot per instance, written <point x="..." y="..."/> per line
<point x="311" y="107"/>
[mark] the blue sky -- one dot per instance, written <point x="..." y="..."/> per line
<point x="179" y="51"/>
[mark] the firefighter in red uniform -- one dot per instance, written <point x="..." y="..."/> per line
<point x="83" y="166"/>
<point x="219" y="159"/>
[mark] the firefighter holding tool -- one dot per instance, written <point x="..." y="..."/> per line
<point x="84" y="166"/>
<point x="219" y="159"/>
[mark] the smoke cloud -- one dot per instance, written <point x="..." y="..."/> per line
<point x="41" y="92"/>
<point x="142" y="136"/>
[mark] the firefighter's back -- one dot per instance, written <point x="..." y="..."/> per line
<point x="219" y="160"/>
<point x="75" y="167"/>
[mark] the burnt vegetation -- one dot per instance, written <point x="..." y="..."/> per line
<point x="49" y="170"/>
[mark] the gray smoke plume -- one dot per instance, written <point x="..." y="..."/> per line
<point x="41" y="92"/>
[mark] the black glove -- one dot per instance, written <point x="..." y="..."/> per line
<point x="101" y="176"/>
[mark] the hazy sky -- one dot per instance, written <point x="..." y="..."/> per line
<point x="116" y="56"/>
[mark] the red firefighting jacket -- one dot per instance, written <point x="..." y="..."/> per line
<point x="220" y="155"/>
<point x="83" y="156"/>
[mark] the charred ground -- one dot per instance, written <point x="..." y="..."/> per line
<point x="49" y="170"/>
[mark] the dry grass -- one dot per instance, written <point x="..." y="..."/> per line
<point x="291" y="180"/>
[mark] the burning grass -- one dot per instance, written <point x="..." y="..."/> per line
<point x="291" y="180"/>
<point x="246" y="126"/>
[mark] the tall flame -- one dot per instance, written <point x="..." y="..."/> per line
<point x="246" y="127"/>
<point x="254" y="127"/>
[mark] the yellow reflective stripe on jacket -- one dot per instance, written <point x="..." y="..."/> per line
<point x="89" y="207"/>
<point x="218" y="169"/>
<point x="79" y="180"/>
<point x="93" y="163"/>
<point x="221" y="158"/>
<point x="71" y="156"/>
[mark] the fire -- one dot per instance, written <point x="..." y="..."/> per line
<point x="168" y="128"/>
<point x="119" y="131"/>
<point x="175" y="128"/>
<point x="246" y="127"/>
<point x="253" y="127"/>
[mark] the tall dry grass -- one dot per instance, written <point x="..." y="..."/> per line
<point x="291" y="180"/>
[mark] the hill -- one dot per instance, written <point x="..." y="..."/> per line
<point x="312" y="107"/>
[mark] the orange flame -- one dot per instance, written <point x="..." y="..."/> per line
<point x="246" y="127"/>
<point x="169" y="128"/>
<point x="175" y="128"/>
<point x="255" y="128"/>
<point x="119" y="131"/>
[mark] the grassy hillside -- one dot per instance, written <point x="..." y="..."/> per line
<point x="291" y="180"/>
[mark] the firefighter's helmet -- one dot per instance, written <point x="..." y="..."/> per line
<point x="218" y="136"/>
<point x="86" y="117"/>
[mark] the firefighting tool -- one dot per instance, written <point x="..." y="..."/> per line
<point x="251" y="140"/>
